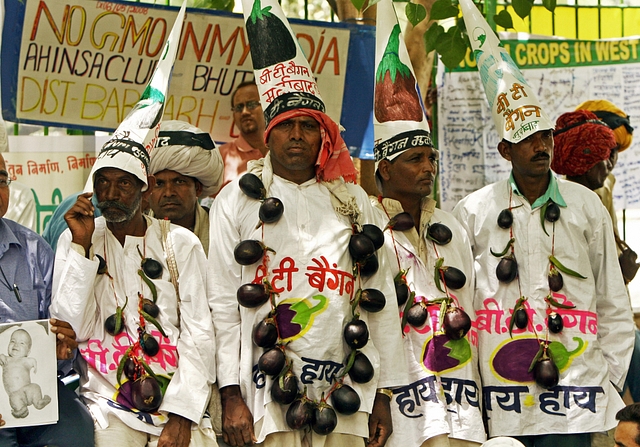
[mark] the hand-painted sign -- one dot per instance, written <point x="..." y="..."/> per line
<point x="84" y="64"/>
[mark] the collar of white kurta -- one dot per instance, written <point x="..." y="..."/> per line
<point x="344" y="203"/>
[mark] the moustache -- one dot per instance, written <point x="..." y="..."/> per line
<point x="113" y="204"/>
<point x="540" y="156"/>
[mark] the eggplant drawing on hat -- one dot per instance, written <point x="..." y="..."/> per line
<point x="395" y="95"/>
<point x="270" y="39"/>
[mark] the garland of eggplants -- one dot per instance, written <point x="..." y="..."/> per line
<point x="302" y="411"/>
<point x="543" y="366"/>
<point x="146" y="389"/>
<point x="453" y="321"/>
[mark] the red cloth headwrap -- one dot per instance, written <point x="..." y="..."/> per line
<point x="334" y="160"/>
<point x="581" y="141"/>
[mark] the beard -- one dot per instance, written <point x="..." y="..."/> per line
<point x="118" y="212"/>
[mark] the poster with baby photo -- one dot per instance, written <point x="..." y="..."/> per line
<point x="29" y="392"/>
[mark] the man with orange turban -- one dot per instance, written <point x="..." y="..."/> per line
<point x="618" y="121"/>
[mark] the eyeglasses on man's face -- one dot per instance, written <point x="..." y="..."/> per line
<point x="250" y="105"/>
<point x="5" y="181"/>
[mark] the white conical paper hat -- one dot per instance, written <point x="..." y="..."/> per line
<point x="399" y="119"/>
<point x="514" y="106"/>
<point x="131" y="144"/>
<point x="282" y="73"/>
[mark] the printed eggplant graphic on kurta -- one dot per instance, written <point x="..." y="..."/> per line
<point x="295" y="316"/>
<point x="276" y="42"/>
<point x="512" y="359"/>
<point x="442" y="354"/>
<point x="396" y="97"/>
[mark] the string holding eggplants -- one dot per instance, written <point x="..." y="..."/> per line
<point x="270" y="335"/>
<point x="453" y="320"/>
<point x="143" y="387"/>
<point x="543" y="366"/>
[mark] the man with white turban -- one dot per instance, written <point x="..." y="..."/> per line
<point x="187" y="165"/>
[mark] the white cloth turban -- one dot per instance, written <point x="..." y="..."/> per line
<point x="189" y="151"/>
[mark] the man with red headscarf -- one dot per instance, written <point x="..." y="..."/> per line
<point x="586" y="151"/>
<point x="310" y="271"/>
<point x="295" y="274"/>
<point x="582" y="146"/>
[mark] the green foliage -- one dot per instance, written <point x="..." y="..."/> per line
<point x="220" y="5"/>
<point x="452" y="47"/>
<point x="443" y="9"/>
<point x="415" y="13"/>
<point x="359" y="4"/>
<point x="431" y="36"/>
<point x="522" y="7"/>
<point x="549" y="4"/>
<point x="503" y="19"/>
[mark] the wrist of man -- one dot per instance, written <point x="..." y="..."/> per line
<point x="384" y="392"/>
<point x="230" y="392"/>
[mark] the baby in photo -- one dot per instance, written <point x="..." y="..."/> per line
<point x="16" y="376"/>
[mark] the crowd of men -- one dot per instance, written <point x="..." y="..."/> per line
<point x="299" y="311"/>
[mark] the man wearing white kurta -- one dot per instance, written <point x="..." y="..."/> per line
<point x="311" y="263"/>
<point x="552" y="349"/>
<point x="449" y="413"/>
<point x="439" y="406"/>
<point x="593" y="350"/>
<point x="86" y="297"/>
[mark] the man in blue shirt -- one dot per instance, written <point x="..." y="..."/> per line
<point x="26" y="270"/>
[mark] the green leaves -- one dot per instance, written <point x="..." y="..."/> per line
<point x="436" y="274"/>
<point x="443" y="9"/>
<point x="405" y="311"/>
<point x="503" y="19"/>
<point x="348" y="366"/>
<point x="415" y="13"/>
<point x="538" y="356"/>
<point x="220" y="5"/>
<point x="549" y="4"/>
<point x="519" y="305"/>
<point x="431" y="36"/>
<point x="522" y="7"/>
<point x="564" y="269"/>
<point x="359" y="4"/>
<point x="150" y="284"/>
<point x="506" y="249"/>
<point x="452" y="47"/>
<point x="552" y="302"/>
<point x="543" y="211"/>
<point x="153" y="321"/>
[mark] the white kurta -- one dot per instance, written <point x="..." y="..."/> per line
<point x="311" y="268"/>
<point x="594" y="349"/>
<point x="86" y="299"/>
<point x="443" y="395"/>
